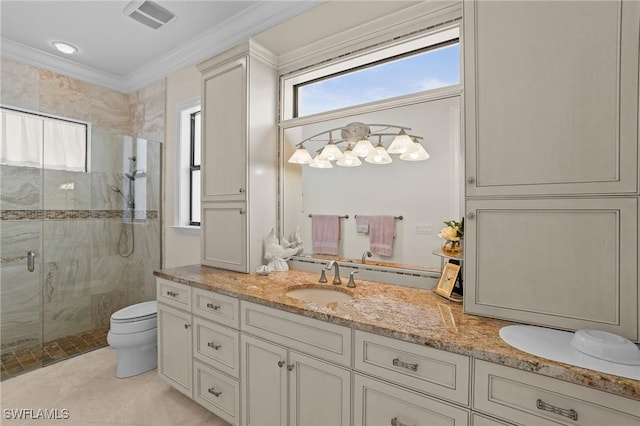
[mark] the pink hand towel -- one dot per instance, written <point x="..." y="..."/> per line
<point x="381" y="233"/>
<point x="325" y="233"/>
<point x="362" y="224"/>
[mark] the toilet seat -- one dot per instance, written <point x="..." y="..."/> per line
<point x="135" y="318"/>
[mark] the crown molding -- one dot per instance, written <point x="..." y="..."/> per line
<point x="234" y="30"/>
<point x="37" y="58"/>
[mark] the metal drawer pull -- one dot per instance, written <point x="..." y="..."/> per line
<point x="214" y="393"/>
<point x="290" y="367"/>
<point x="398" y="363"/>
<point x="214" y="307"/>
<point x="172" y="293"/>
<point x="396" y="422"/>
<point x="214" y="346"/>
<point x="280" y="364"/>
<point x="186" y="326"/>
<point x="572" y="414"/>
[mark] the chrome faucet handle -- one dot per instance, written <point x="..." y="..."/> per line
<point x="366" y="254"/>
<point x="352" y="283"/>
<point x="323" y="276"/>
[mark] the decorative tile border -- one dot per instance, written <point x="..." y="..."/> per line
<point x="76" y="214"/>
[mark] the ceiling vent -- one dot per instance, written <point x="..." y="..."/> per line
<point x="148" y="13"/>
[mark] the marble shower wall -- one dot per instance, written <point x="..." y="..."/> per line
<point x="80" y="279"/>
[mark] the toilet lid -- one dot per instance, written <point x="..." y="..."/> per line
<point x="137" y="311"/>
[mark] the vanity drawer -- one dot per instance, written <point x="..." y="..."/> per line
<point x="378" y="403"/>
<point x="216" y="345"/>
<point x="216" y="307"/>
<point x="311" y="336"/>
<point x="216" y="392"/>
<point x="440" y="373"/>
<point x="480" y="420"/>
<point x="173" y="294"/>
<point x="527" y="398"/>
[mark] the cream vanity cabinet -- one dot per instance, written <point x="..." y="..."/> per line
<point x="395" y="381"/>
<point x="198" y="346"/>
<point x="551" y="97"/>
<point x="551" y="135"/>
<point x="299" y="375"/>
<point x="174" y="334"/>
<point x="239" y="149"/>
<point x="525" y="398"/>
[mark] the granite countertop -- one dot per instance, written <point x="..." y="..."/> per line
<point x="410" y="314"/>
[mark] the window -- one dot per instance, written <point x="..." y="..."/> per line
<point x="194" y="170"/>
<point x="414" y="66"/>
<point x="34" y="140"/>
<point x="187" y="211"/>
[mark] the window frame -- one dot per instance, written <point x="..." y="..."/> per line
<point x="182" y="179"/>
<point x="192" y="166"/>
<point x="403" y="55"/>
<point x="350" y="61"/>
<point x="45" y="116"/>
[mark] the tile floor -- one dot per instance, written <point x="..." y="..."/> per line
<point x="86" y="387"/>
<point x="18" y="361"/>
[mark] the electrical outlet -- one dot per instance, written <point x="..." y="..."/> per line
<point x="424" y="229"/>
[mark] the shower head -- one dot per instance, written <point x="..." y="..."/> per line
<point x="116" y="189"/>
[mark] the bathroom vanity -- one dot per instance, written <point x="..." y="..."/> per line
<point x="239" y="346"/>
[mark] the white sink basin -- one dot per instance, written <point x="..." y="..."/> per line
<point x="321" y="295"/>
<point x="561" y="345"/>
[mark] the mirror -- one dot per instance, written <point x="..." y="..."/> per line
<point x="424" y="193"/>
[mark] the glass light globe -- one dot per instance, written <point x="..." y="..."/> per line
<point x="378" y="156"/>
<point x="400" y="144"/>
<point x="320" y="163"/>
<point x="349" y="159"/>
<point x="331" y="152"/>
<point x="363" y="148"/>
<point x="301" y="156"/>
<point x="416" y="153"/>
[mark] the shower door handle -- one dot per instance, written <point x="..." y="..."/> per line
<point x="31" y="261"/>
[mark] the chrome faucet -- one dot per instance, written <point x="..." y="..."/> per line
<point x="336" y="276"/>
<point x="365" y="255"/>
<point x="352" y="283"/>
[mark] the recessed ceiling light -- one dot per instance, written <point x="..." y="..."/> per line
<point x="64" y="47"/>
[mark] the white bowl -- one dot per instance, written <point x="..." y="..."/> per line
<point x="606" y="346"/>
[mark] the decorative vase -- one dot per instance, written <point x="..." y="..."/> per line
<point x="452" y="247"/>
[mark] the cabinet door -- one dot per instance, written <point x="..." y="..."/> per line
<point x="224" y="132"/>
<point x="224" y="236"/>
<point x="377" y="404"/>
<point x="551" y="97"/>
<point x="564" y="263"/>
<point x="264" y="382"/>
<point x="319" y="392"/>
<point x="174" y="348"/>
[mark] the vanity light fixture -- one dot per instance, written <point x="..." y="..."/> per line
<point x="408" y="146"/>
<point x="65" y="48"/>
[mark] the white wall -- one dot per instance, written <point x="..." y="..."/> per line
<point x="179" y="248"/>
<point x="425" y="193"/>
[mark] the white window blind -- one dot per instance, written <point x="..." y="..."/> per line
<point x="30" y="140"/>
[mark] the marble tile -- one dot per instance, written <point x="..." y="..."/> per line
<point x="21" y="188"/>
<point x="20" y="307"/>
<point x="65" y="317"/>
<point x="64" y="190"/>
<point x="17" y="85"/>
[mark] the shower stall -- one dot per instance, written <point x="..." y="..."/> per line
<point x="75" y="246"/>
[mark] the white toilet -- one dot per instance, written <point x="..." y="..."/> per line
<point x="133" y="335"/>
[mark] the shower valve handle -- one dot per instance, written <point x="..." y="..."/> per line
<point x="31" y="261"/>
